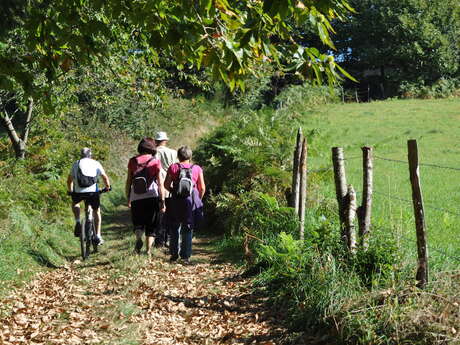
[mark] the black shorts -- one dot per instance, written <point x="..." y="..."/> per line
<point x="145" y="214"/>
<point x="93" y="199"/>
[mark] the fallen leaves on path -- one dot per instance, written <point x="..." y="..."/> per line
<point x="159" y="303"/>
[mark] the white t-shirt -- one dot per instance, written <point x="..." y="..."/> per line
<point x="89" y="167"/>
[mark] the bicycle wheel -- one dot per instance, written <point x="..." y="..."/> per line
<point x="83" y="243"/>
<point x="88" y="237"/>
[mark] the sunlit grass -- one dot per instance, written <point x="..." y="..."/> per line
<point x="387" y="126"/>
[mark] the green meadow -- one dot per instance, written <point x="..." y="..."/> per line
<point x="386" y="126"/>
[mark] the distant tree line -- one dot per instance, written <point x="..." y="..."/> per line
<point x="389" y="44"/>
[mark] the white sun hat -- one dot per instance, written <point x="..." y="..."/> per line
<point x="160" y="136"/>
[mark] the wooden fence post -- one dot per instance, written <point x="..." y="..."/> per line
<point x="419" y="214"/>
<point x="303" y="187"/>
<point x="294" y="202"/>
<point x="364" y="212"/>
<point x="340" y="179"/>
<point x="350" y="218"/>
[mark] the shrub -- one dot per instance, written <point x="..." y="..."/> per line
<point x="375" y="265"/>
<point x="250" y="152"/>
<point x="306" y="96"/>
<point x="442" y="88"/>
<point x="256" y="214"/>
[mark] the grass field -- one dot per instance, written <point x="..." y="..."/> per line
<point x="386" y="126"/>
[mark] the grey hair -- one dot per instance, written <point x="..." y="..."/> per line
<point x="85" y="152"/>
<point x="184" y="153"/>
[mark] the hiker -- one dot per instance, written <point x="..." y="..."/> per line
<point x="167" y="156"/>
<point x="82" y="185"/>
<point x="185" y="181"/>
<point x="145" y="193"/>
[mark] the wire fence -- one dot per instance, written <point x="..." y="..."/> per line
<point x="432" y="165"/>
<point x="433" y="221"/>
<point x="410" y="239"/>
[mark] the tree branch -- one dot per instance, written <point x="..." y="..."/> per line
<point x="30" y="106"/>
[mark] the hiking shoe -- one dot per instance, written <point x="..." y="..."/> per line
<point x="98" y="240"/>
<point x="77" y="229"/>
<point x="138" y="246"/>
<point x="186" y="262"/>
<point x="173" y="258"/>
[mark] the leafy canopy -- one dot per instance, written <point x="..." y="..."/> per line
<point x="231" y="38"/>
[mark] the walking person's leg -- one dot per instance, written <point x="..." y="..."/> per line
<point x="138" y="226"/>
<point x="139" y="232"/>
<point x="174" y="241"/>
<point x="152" y="213"/>
<point x="186" y="244"/>
<point x="76" y="212"/>
<point x="149" y="239"/>
<point x="94" y="201"/>
<point x="98" y="224"/>
<point x="159" y="236"/>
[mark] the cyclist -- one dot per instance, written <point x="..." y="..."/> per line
<point x="82" y="184"/>
<point x="167" y="156"/>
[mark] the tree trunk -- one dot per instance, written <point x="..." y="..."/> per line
<point x="19" y="143"/>
<point x="25" y="134"/>
<point x="382" y="81"/>
<point x="16" y="141"/>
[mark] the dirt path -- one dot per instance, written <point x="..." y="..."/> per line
<point x="117" y="297"/>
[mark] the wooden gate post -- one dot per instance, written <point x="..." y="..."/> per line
<point x="340" y="179"/>
<point x="419" y="214"/>
<point x="303" y="187"/>
<point x="294" y="202"/>
<point x="350" y="219"/>
<point x="364" y="212"/>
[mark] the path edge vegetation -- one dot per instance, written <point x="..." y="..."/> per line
<point x="369" y="298"/>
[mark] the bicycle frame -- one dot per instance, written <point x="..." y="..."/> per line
<point x="88" y="231"/>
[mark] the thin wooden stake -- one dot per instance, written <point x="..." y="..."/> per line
<point x="340" y="179"/>
<point x="294" y="202"/>
<point x="364" y="212"/>
<point x="419" y="214"/>
<point x="303" y="187"/>
<point x="350" y="219"/>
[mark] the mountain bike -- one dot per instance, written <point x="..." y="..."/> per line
<point x="88" y="233"/>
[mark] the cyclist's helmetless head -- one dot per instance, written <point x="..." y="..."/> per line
<point x="85" y="152"/>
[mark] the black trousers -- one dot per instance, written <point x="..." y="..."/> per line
<point x="145" y="214"/>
